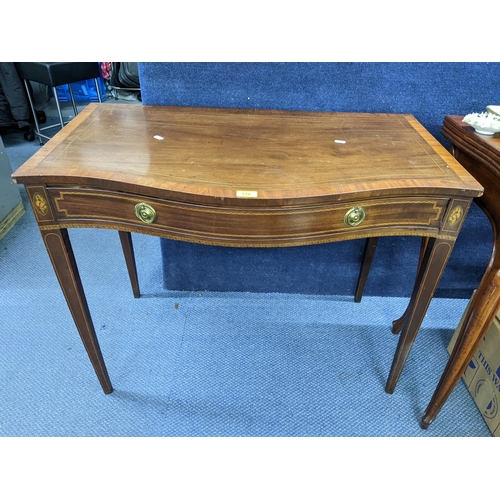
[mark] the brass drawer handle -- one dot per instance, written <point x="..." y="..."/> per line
<point x="144" y="212"/>
<point x="355" y="216"/>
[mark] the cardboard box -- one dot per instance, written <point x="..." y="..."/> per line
<point x="482" y="376"/>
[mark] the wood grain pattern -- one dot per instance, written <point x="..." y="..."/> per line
<point x="250" y="226"/>
<point x="213" y="153"/>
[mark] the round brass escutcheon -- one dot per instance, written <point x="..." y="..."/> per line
<point x="355" y="216"/>
<point x="144" y="212"/>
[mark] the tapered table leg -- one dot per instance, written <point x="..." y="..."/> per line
<point x="128" y="252"/>
<point x="61" y="254"/>
<point x="436" y="255"/>
<point x="366" y="264"/>
<point x="479" y="317"/>
<point x="397" y="325"/>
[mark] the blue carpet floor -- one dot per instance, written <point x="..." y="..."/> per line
<point x="206" y="364"/>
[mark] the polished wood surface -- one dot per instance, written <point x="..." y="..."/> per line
<point x="213" y="153"/>
<point x="247" y="178"/>
<point x="480" y="155"/>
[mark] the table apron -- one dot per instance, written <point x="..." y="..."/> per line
<point x="240" y="226"/>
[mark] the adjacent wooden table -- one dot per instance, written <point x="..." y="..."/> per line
<point x="243" y="178"/>
<point x="480" y="155"/>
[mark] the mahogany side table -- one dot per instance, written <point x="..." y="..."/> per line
<point x="239" y="177"/>
<point x="480" y="155"/>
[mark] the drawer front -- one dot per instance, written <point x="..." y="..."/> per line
<point x="212" y="224"/>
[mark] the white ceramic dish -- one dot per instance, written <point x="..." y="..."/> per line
<point x="484" y="123"/>
<point x="495" y="110"/>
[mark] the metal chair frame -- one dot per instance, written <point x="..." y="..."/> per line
<point x="38" y="129"/>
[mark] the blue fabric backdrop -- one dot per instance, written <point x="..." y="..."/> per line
<point x="429" y="91"/>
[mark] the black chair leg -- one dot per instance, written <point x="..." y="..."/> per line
<point x="33" y="111"/>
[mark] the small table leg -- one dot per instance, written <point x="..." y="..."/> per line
<point x="436" y="255"/>
<point x="479" y="317"/>
<point x="61" y="254"/>
<point x="397" y="325"/>
<point x="128" y="252"/>
<point x="370" y="247"/>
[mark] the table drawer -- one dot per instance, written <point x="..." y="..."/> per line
<point x="213" y="223"/>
